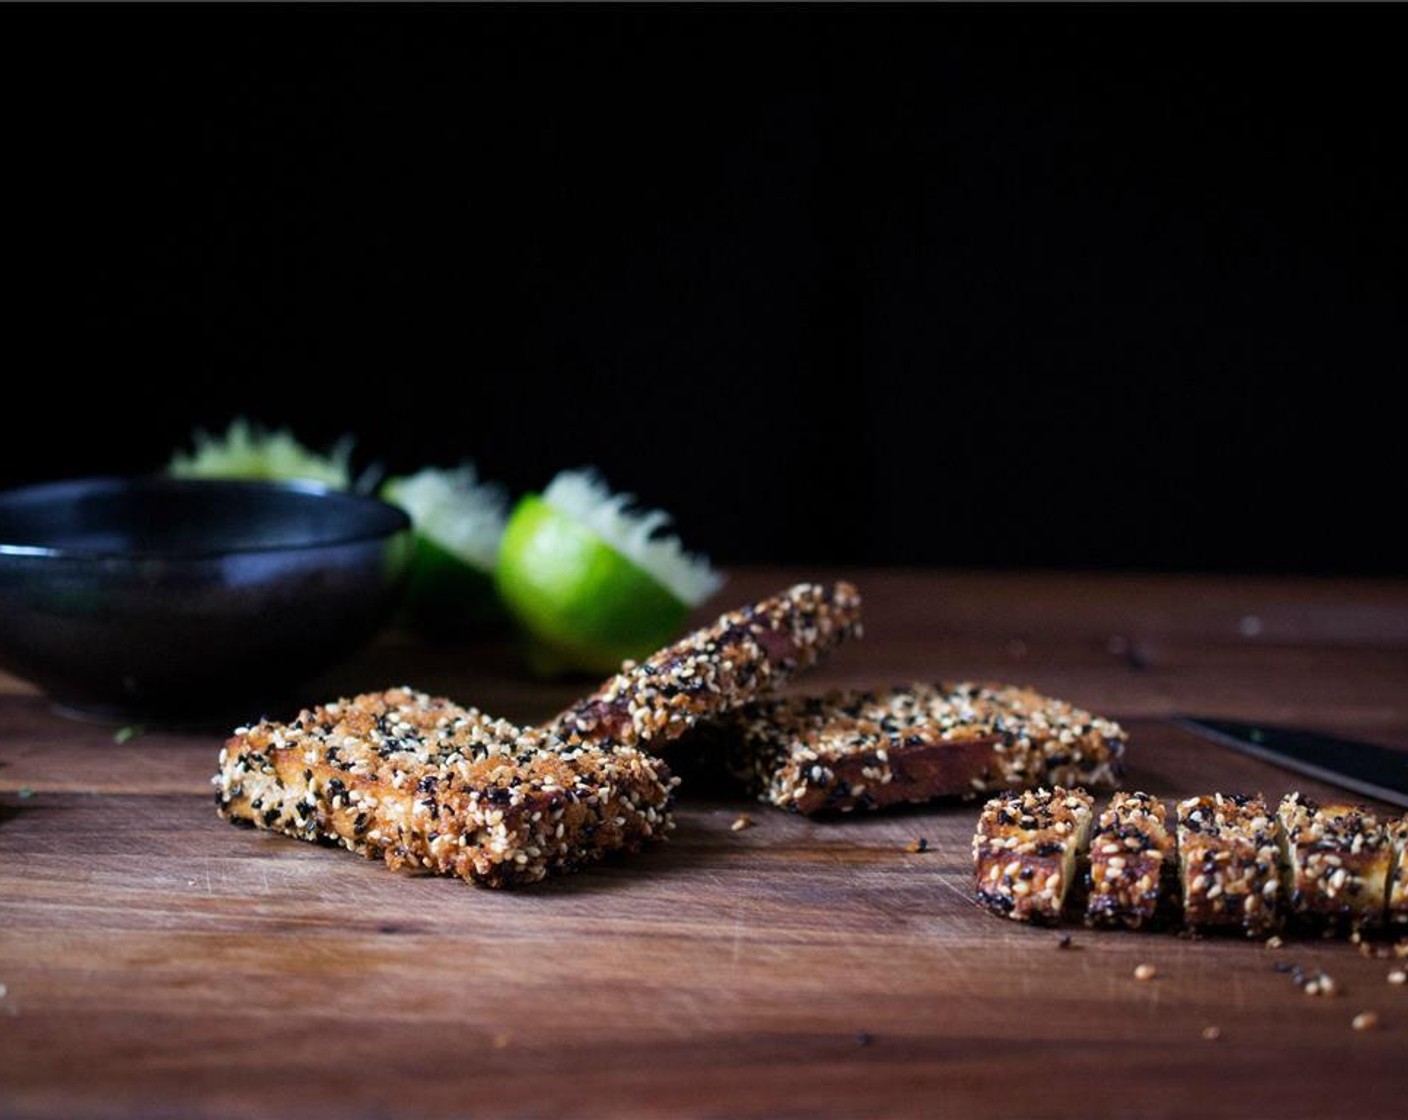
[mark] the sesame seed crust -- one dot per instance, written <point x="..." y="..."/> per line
<point x="868" y="750"/>
<point x="1229" y="865"/>
<point x="1338" y="859"/>
<point x="422" y="783"/>
<point x="1128" y="852"/>
<point x="1025" y="851"/>
<point x="1397" y="910"/>
<point x="741" y="656"/>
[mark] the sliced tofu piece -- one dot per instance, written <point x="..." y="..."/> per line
<point x="870" y="750"/>
<point x="741" y="656"/>
<point x="1229" y="864"/>
<point x="1129" y="849"/>
<point x="1337" y="859"/>
<point x="1025" y="851"/>
<point x="419" y="782"/>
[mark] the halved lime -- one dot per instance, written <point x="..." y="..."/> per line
<point x="249" y="451"/>
<point x="592" y="581"/>
<point x="459" y="522"/>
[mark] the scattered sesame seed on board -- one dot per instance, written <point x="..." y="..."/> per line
<point x="1398" y="976"/>
<point x="1145" y="972"/>
<point x="1212" y="1034"/>
<point x="1313" y="982"/>
<point x="1365" y="1021"/>
<point x="742" y="821"/>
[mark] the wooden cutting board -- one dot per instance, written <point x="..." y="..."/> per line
<point x="157" y="961"/>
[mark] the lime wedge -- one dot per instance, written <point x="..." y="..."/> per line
<point x="249" y="451"/>
<point x="593" y="582"/>
<point x="459" y="522"/>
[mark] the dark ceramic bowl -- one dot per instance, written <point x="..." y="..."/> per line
<point x="188" y="601"/>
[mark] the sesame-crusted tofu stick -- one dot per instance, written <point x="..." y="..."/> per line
<point x="741" y="656"/>
<point x="1025" y="851"/>
<point x="1397" y="909"/>
<point x="420" y="782"/>
<point x="1337" y="859"/>
<point x="868" y="750"/>
<point x="1229" y="864"/>
<point x="1128" y="850"/>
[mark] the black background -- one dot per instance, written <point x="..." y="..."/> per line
<point x="1114" y="287"/>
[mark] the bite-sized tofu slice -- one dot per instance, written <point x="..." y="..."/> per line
<point x="1025" y="851"/>
<point x="1128" y="850"/>
<point x="1397" y="911"/>
<point x="1337" y="859"/>
<point x="1229" y="864"/>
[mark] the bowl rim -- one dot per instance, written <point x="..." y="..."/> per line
<point x="392" y="519"/>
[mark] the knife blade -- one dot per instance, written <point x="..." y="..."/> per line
<point x="1366" y="768"/>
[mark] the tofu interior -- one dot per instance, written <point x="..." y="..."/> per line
<point x="1397" y="908"/>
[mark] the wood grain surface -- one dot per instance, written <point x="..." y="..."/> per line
<point x="157" y="962"/>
